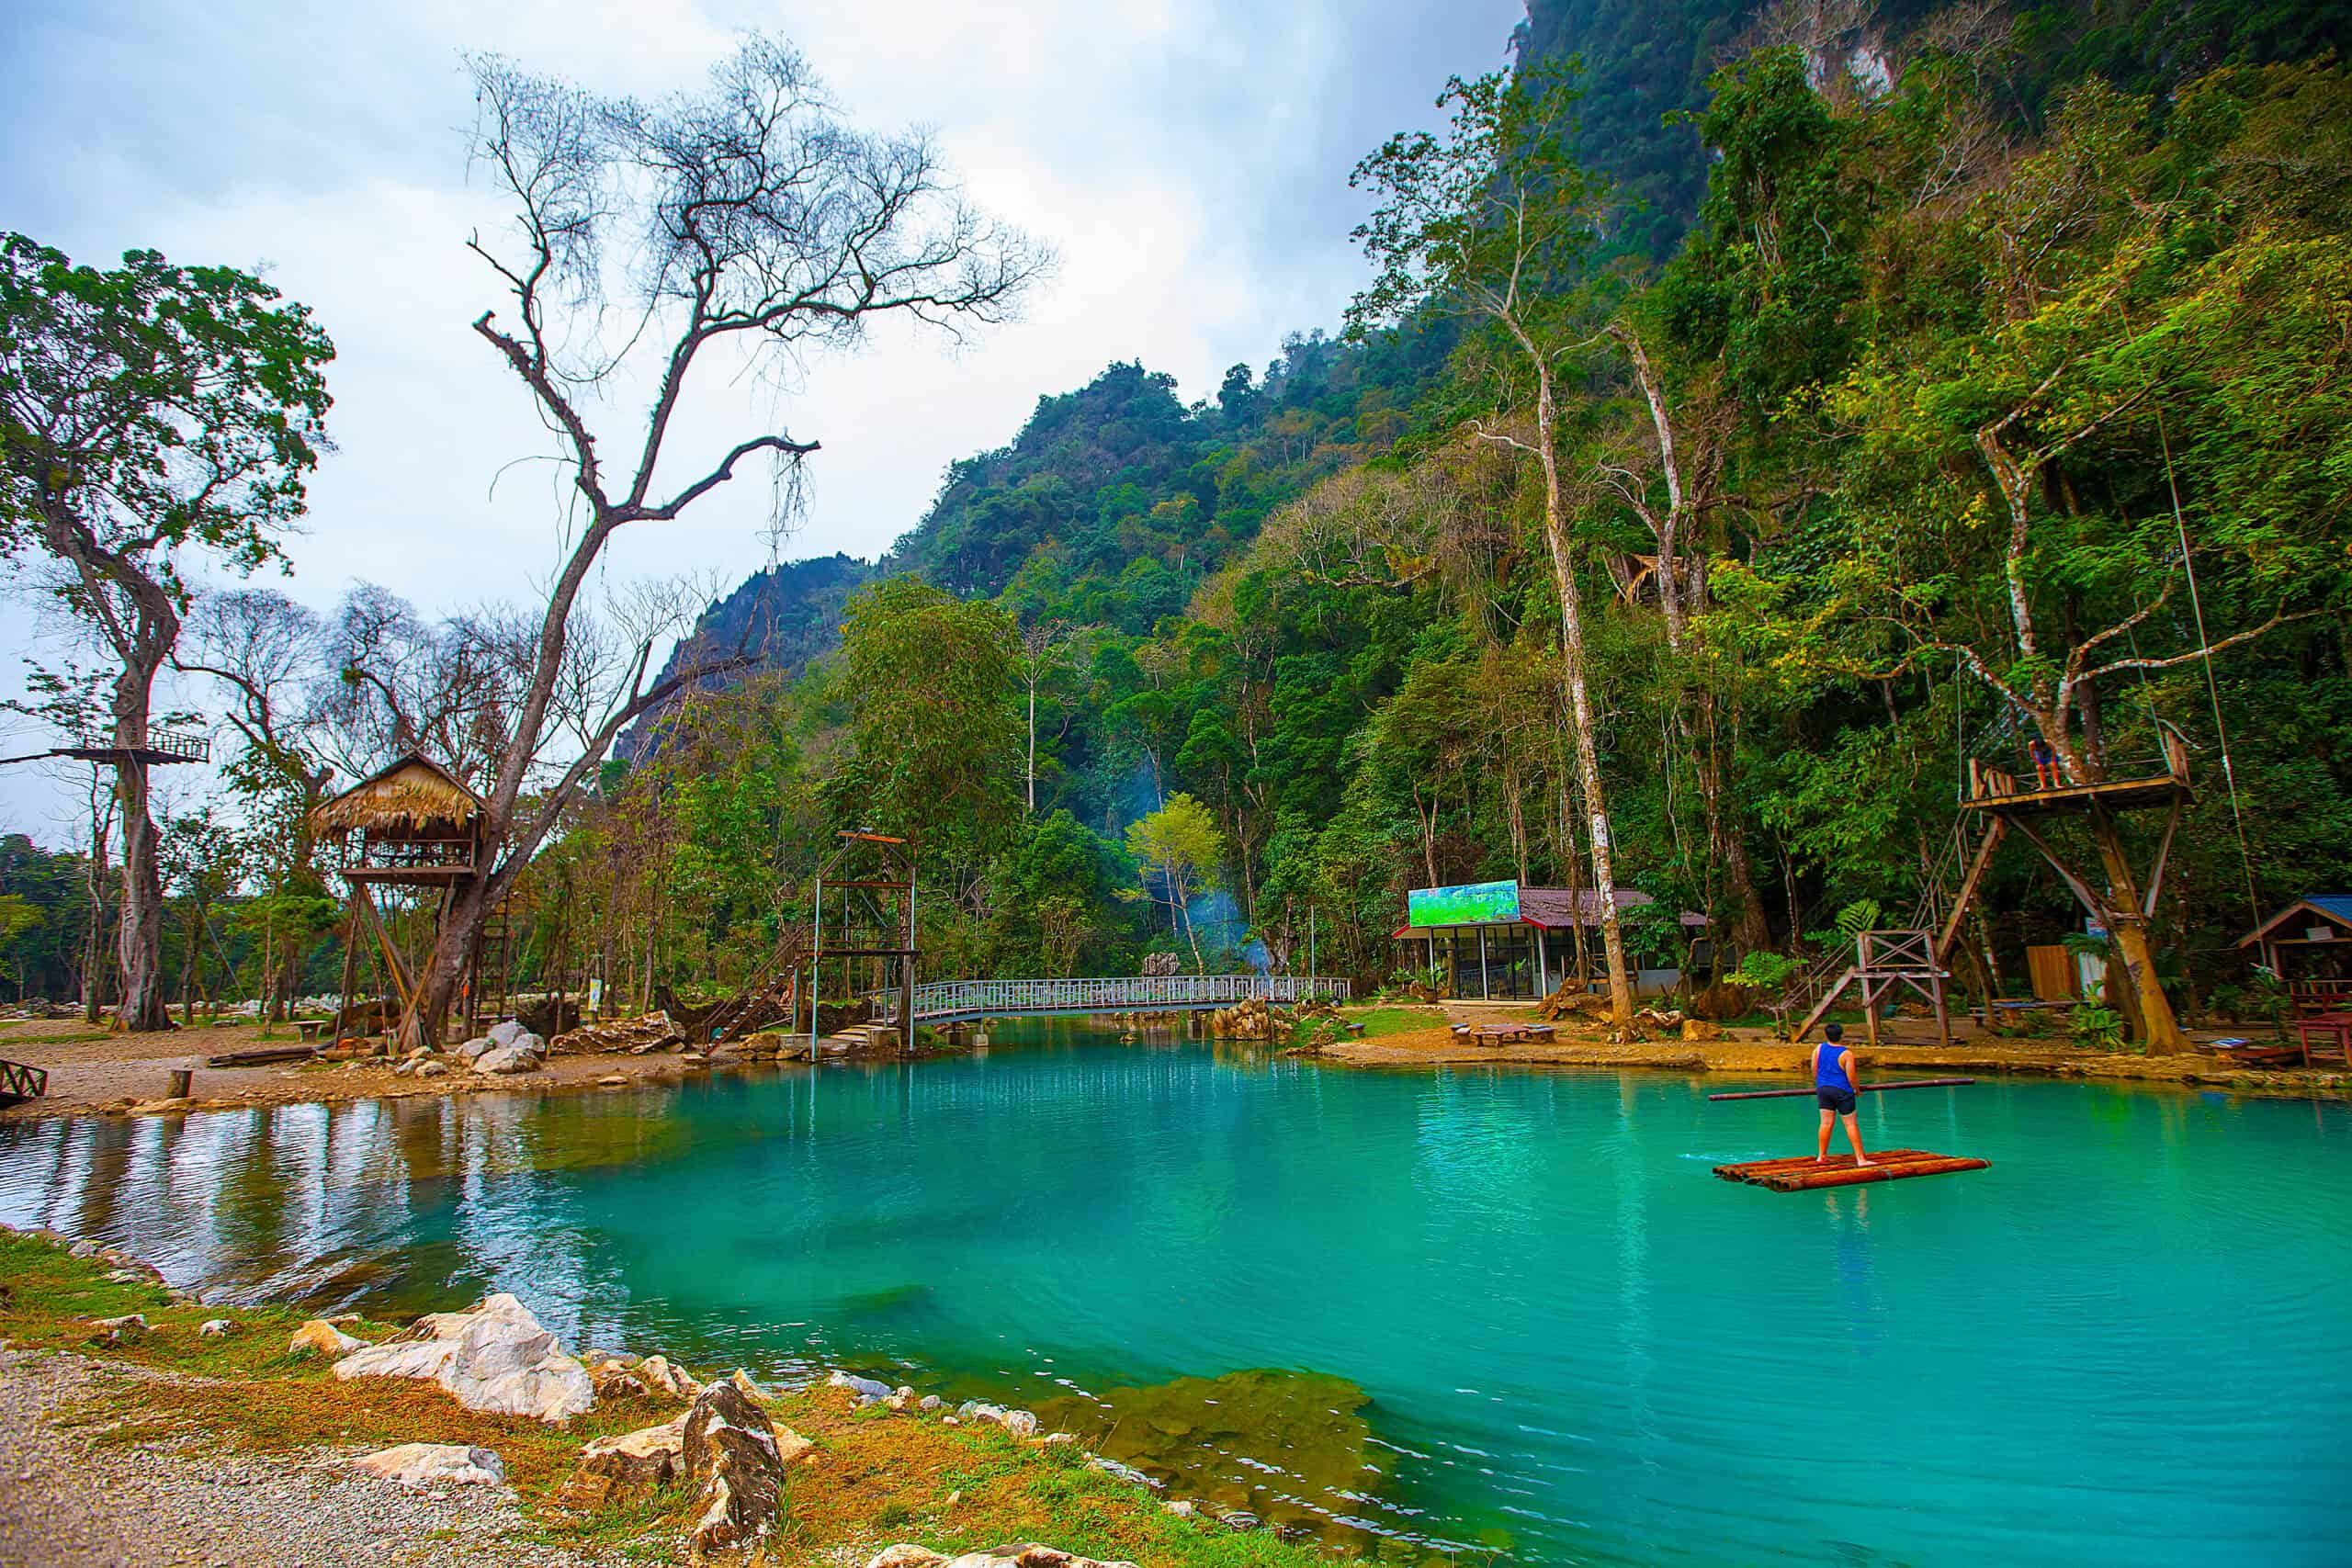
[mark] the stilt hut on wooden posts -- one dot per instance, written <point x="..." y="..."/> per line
<point x="2307" y="945"/>
<point x="411" y="828"/>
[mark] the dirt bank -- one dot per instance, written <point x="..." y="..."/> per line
<point x="90" y="1071"/>
<point x="1754" y="1052"/>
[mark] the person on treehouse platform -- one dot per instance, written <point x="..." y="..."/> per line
<point x="2044" y="758"/>
<point x="1833" y="1086"/>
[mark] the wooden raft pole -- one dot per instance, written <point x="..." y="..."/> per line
<point x="1858" y="1088"/>
<point x="1804" y="1172"/>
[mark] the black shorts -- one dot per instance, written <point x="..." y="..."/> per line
<point x="1837" y="1099"/>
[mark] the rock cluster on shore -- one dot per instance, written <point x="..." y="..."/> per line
<point x="723" y="1446"/>
<point x="494" y="1359"/>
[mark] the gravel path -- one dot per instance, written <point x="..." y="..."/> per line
<point x="67" y="1502"/>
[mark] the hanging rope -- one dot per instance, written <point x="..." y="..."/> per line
<point x="2213" y="689"/>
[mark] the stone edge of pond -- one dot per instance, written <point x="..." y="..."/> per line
<point x="2193" y="1072"/>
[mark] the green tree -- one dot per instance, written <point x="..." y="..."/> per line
<point x="149" y="416"/>
<point x="1496" y="219"/>
<point x="931" y="682"/>
<point x="1178" y="851"/>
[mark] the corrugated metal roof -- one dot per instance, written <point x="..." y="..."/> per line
<point x="2336" y="907"/>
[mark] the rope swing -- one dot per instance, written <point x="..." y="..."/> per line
<point x="2213" y="689"/>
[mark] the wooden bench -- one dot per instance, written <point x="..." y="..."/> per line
<point x="311" y="1026"/>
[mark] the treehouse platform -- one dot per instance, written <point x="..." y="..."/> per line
<point x="1804" y="1173"/>
<point x="2162" y="781"/>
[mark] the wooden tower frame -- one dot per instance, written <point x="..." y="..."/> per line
<point x="867" y="920"/>
<point x="1997" y="797"/>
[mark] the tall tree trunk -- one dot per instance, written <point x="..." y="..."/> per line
<point x="2158" y="1029"/>
<point x="94" y="881"/>
<point x="140" y="937"/>
<point x="1575" y="665"/>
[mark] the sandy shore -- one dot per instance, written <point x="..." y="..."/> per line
<point x="93" y="1072"/>
<point x="1901" y="1054"/>
<point x="116" y="1072"/>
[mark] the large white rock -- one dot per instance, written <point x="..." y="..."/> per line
<point x="519" y="1057"/>
<point x="422" y="1464"/>
<point x="475" y="1047"/>
<point x="1023" y="1555"/>
<point x="495" y="1358"/>
<point x="506" y="1034"/>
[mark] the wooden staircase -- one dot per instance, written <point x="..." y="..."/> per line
<point x="1915" y="954"/>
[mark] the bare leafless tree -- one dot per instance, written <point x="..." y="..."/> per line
<point x="734" y="230"/>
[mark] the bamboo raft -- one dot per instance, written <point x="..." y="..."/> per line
<point x="1803" y="1173"/>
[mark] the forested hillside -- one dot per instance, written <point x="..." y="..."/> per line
<point x="1741" y="436"/>
<point x="1314" y="623"/>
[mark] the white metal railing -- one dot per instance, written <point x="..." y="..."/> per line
<point x="1131" y="993"/>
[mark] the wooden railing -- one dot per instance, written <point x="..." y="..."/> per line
<point x="943" y="1000"/>
<point x="19" y="1081"/>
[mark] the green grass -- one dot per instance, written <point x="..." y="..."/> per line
<point x="876" y="1478"/>
<point x="1385" y="1019"/>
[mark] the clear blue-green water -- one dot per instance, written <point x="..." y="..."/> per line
<point x="1531" y="1317"/>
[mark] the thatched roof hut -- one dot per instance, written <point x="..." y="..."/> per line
<point x="410" y="822"/>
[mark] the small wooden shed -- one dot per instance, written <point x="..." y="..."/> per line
<point x="2308" y="945"/>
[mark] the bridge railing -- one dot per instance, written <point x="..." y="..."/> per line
<point x="1129" y="993"/>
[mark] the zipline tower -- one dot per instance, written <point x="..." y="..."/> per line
<point x="872" y="878"/>
<point x="2129" y="899"/>
<point x="1919" y="956"/>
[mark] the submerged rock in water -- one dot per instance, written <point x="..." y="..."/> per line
<point x="495" y="1358"/>
<point x="1210" y="1436"/>
<point x="866" y="1388"/>
<point x="422" y="1464"/>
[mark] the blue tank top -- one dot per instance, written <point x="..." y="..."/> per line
<point x="1829" y="1067"/>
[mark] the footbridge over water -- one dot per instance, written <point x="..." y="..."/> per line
<point x="958" y="1001"/>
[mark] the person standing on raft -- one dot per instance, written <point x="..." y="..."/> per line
<point x="1833" y="1086"/>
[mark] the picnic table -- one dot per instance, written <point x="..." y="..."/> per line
<point x="2335" y="1028"/>
<point x="309" y="1027"/>
<point x="1509" y="1034"/>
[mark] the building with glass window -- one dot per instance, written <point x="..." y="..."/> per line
<point x="1500" y="940"/>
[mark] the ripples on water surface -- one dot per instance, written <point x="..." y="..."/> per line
<point x="1527" y="1316"/>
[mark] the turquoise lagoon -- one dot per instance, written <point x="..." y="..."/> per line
<point x="1509" y="1313"/>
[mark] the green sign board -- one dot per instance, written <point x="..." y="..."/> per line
<point x="1473" y="904"/>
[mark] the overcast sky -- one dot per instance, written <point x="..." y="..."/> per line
<point x="1188" y="163"/>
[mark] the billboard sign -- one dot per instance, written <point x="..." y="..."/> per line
<point x="1472" y="904"/>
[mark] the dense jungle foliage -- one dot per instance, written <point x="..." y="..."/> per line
<point x="1931" y="380"/>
